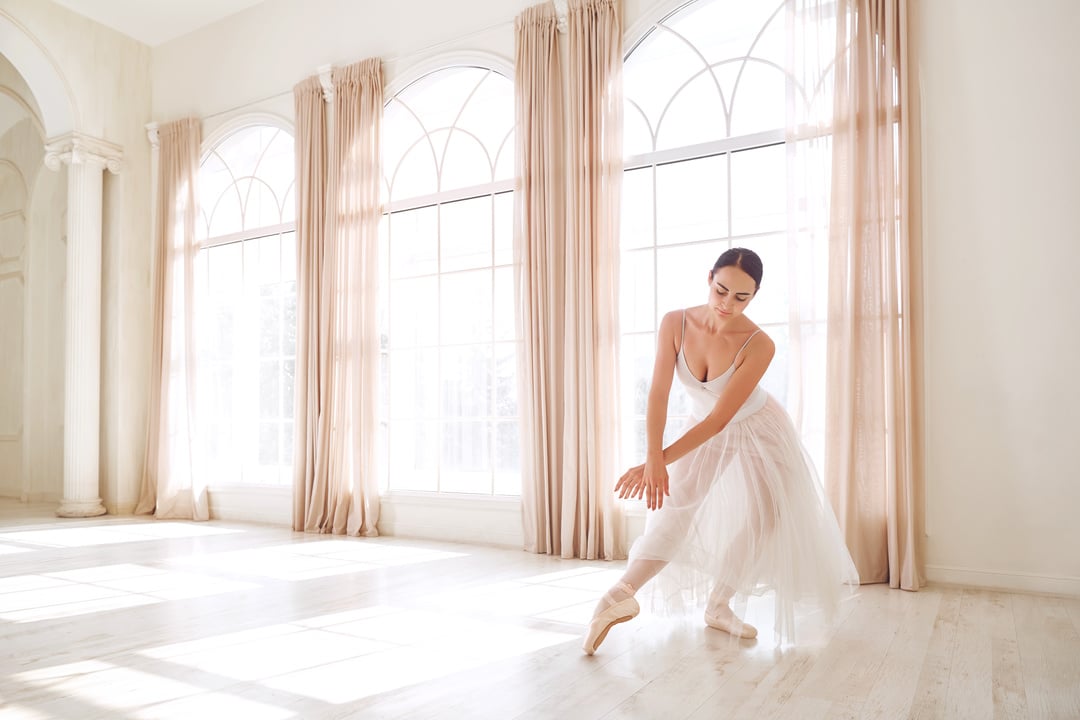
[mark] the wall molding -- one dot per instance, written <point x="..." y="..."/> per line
<point x="1011" y="581"/>
<point x="491" y="521"/>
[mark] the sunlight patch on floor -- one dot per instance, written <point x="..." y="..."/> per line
<point x="311" y="560"/>
<point x="29" y="598"/>
<point x="112" y="534"/>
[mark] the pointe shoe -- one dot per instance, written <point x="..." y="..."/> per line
<point x="623" y="610"/>
<point x="731" y="625"/>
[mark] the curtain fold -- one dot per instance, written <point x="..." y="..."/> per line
<point x="873" y="462"/>
<point x="173" y="481"/>
<point x="338" y="175"/>
<point x="312" y="311"/>
<point x="591" y="527"/>
<point x="539" y="221"/>
<point x="566" y="240"/>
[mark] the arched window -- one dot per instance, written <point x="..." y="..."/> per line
<point x="707" y="168"/>
<point x="449" y="341"/>
<point x="246" y="306"/>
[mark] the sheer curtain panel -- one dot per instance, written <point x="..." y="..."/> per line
<point x="336" y="485"/>
<point x="873" y="458"/>
<point x="566" y="236"/>
<point x="173" y="480"/>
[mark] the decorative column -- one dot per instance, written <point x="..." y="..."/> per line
<point x="86" y="159"/>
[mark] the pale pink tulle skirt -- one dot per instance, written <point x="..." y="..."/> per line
<point x="747" y="512"/>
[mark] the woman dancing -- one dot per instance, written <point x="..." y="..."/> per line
<point x="742" y="511"/>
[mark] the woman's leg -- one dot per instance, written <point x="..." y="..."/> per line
<point x="664" y="534"/>
<point x="744" y="550"/>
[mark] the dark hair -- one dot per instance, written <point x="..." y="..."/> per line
<point x="746" y="260"/>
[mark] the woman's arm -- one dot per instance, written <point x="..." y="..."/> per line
<point x="667" y="350"/>
<point x="650" y="480"/>
<point x="756" y="358"/>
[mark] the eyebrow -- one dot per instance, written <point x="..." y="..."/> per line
<point x="738" y="293"/>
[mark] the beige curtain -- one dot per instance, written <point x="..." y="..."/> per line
<point x="336" y="487"/>
<point x="567" y="242"/>
<point x="594" y="182"/>
<point x="873" y="461"/>
<point x="173" y="481"/>
<point x="539" y="220"/>
<point x="310" y="506"/>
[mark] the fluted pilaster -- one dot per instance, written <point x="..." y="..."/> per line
<point x="86" y="159"/>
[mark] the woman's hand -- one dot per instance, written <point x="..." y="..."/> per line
<point x="649" y="481"/>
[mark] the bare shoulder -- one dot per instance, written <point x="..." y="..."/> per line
<point x="761" y="345"/>
<point x="671" y="327"/>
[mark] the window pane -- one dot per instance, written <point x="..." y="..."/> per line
<point x="465" y="307"/>
<point x="637" y="353"/>
<point x="449" y="285"/>
<point x="637" y="133"/>
<point x="637" y="283"/>
<point x="416" y="174"/>
<point x="269" y="322"/>
<point x="413" y="314"/>
<point x="466" y="457"/>
<point x="760" y="102"/>
<point x="414" y="383"/>
<point x="261" y="207"/>
<point x="636" y="228"/>
<point x="504" y="228"/>
<point x="414" y="448"/>
<point x="247" y="330"/>
<point x="505" y="304"/>
<point x="489" y="113"/>
<point x="507" y="458"/>
<point x="682" y="275"/>
<point x="270" y="388"/>
<point x="656" y="69"/>
<point x="414" y="242"/>
<point x="506" y="389"/>
<point x="465" y="234"/>
<point x="466" y="162"/>
<point x="691" y="200"/>
<point x="771" y="303"/>
<point x="225" y="213"/>
<point x="466" y="386"/>
<point x="696" y="114"/>
<point x="759" y="190"/>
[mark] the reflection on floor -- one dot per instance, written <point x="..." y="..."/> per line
<point x="121" y="617"/>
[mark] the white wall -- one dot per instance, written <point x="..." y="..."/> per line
<point x="1002" y="187"/>
<point x="21" y="156"/>
<point x="105" y="79"/>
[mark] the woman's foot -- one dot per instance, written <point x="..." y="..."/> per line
<point x="722" y="618"/>
<point x="616" y="606"/>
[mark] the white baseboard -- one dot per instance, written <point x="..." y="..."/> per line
<point x="1012" y="581"/>
<point x="482" y="521"/>
<point x="261" y="505"/>
<point x="449" y="518"/>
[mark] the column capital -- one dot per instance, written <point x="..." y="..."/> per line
<point x="76" y="148"/>
<point x="153" y="135"/>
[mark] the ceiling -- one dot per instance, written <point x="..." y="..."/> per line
<point x="154" y="22"/>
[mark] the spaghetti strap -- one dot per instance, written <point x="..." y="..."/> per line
<point x="745" y="344"/>
<point x="682" y="335"/>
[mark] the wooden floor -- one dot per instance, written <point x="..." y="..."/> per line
<point x="133" y="618"/>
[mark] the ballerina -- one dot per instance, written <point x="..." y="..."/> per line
<point x="742" y="511"/>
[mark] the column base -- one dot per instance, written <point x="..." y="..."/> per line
<point x="80" y="508"/>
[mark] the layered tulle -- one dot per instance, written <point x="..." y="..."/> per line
<point x="747" y="516"/>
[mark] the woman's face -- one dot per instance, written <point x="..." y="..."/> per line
<point x="730" y="291"/>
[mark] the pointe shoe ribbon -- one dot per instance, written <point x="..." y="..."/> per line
<point x="731" y="625"/>
<point x="623" y="610"/>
